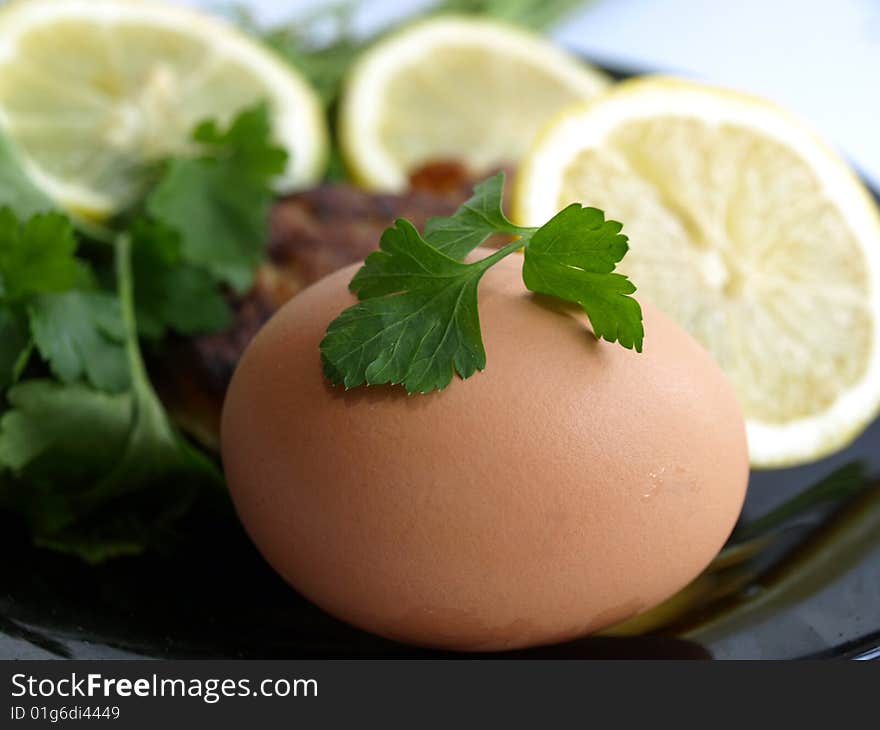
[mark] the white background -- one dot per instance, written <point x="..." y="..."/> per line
<point x="821" y="58"/>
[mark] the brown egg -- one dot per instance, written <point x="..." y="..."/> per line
<point x="570" y="485"/>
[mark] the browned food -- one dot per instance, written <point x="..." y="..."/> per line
<point x="312" y="234"/>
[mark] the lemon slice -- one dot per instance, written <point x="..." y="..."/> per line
<point x="751" y="233"/>
<point x="453" y="88"/>
<point x="92" y="91"/>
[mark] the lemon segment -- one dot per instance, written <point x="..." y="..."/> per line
<point x="453" y="88"/>
<point x="750" y="232"/>
<point x="93" y="91"/>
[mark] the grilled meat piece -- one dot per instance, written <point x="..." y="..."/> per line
<point x="312" y="234"/>
<point x="317" y="232"/>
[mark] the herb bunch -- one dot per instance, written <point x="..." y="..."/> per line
<point x="322" y="43"/>
<point x="88" y="455"/>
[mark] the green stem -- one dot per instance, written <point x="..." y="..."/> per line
<point x="515" y="230"/>
<point x="491" y="260"/>
<point x="125" y="287"/>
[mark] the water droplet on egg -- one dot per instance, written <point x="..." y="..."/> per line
<point x="655" y="481"/>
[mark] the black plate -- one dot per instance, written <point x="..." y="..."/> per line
<point x="815" y="592"/>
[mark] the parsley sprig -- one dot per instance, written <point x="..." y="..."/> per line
<point x="417" y="321"/>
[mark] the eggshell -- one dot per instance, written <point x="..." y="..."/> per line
<point x="570" y="485"/>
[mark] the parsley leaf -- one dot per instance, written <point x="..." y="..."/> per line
<point x="581" y="238"/>
<point x="248" y="140"/>
<point x="477" y="219"/>
<point x="50" y="431"/>
<point x="80" y="334"/>
<point x="219" y="202"/>
<point x="417" y="322"/>
<point x="183" y="298"/>
<point x="572" y="257"/>
<point x="36" y="256"/>
<point x="170" y="293"/>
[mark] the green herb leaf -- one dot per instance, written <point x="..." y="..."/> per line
<point x="36" y="256"/>
<point x="247" y="140"/>
<point x="184" y="298"/>
<point x="418" y="323"/>
<point x="51" y="431"/>
<point x="169" y="293"/>
<point x="580" y="238"/>
<point x="477" y="219"/>
<point x="572" y="257"/>
<point x="80" y="334"/>
<point x="219" y="202"/>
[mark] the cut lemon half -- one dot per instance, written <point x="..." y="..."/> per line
<point x="92" y="91"/>
<point x="751" y="233"/>
<point x="453" y="88"/>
